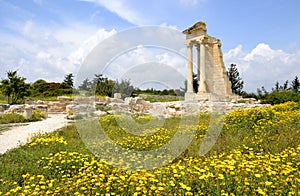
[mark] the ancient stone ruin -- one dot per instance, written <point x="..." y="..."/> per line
<point x="213" y="94"/>
<point x="213" y="82"/>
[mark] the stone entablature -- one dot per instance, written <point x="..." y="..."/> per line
<point x="213" y="82"/>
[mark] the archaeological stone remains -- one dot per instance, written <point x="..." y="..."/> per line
<point x="213" y="82"/>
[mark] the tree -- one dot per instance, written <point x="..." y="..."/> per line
<point x="102" y="85"/>
<point x="285" y="86"/>
<point x="14" y="87"/>
<point x="68" y="81"/>
<point x="39" y="87"/>
<point x="237" y="83"/>
<point x="124" y="87"/>
<point x="277" y="87"/>
<point x="295" y="84"/>
<point x="86" y="85"/>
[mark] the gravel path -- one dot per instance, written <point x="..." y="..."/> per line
<point x="17" y="135"/>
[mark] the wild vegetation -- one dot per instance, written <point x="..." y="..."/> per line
<point x="14" y="89"/>
<point x="18" y="118"/>
<point x="257" y="153"/>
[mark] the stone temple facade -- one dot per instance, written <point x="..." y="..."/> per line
<point x="213" y="82"/>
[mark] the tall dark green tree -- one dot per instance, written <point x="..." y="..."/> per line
<point x="124" y="87"/>
<point x="102" y="85"/>
<point x="14" y="87"/>
<point x="237" y="84"/>
<point x="69" y="81"/>
<point x="277" y="87"/>
<point x="295" y="84"/>
<point x="286" y="86"/>
<point x="86" y="85"/>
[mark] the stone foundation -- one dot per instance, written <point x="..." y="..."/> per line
<point x="137" y="105"/>
<point x="25" y="110"/>
<point x="161" y="109"/>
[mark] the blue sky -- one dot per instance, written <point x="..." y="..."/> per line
<point x="50" y="38"/>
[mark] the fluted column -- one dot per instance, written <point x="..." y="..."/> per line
<point x="190" y="88"/>
<point x="202" y="84"/>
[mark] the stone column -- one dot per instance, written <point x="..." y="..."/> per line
<point x="198" y="64"/>
<point x="202" y="84"/>
<point x="190" y="88"/>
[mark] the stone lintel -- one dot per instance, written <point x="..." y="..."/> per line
<point x="199" y="26"/>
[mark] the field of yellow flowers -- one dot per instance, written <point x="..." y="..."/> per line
<point x="256" y="153"/>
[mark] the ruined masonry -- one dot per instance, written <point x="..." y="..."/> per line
<point x="213" y="82"/>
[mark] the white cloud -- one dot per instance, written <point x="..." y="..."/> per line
<point x="147" y="64"/>
<point x="46" y="52"/>
<point x="263" y="66"/>
<point x="170" y="26"/>
<point x="122" y="9"/>
<point x="78" y="56"/>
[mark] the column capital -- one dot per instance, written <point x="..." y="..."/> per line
<point x="203" y="40"/>
<point x="189" y="43"/>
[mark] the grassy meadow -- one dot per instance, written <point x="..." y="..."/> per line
<point x="256" y="153"/>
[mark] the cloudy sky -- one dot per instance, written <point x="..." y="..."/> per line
<point x="50" y="38"/>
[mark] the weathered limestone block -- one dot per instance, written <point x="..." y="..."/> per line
<point x="119" y="107"/>
<point x="116" y="100"/>
<point x="101" y="106"/>
<point x="16" y="108"/>
<point x="137" y="105"/>
<point x="117" y="96"/>
<point x="157" y="109"/>
<point x="191" y="108"/>
<point x="171" y="111"/>
<point x="82" y="108"/>
<point x="4" y="107"/>
<point x="100" y="113"/>
<point x="64" y="99"/>
<point x="84" y="100"/>
<point x="70" y="108"/>
<point x="27" y="113"/>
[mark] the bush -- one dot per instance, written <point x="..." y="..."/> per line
<point x="38" y="115"/>
<point x="11" y="118"/>
<point x="282" y="97"/>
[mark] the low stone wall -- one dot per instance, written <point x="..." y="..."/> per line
<point x="59" y="106"/>
<point x="136" y="105"/>
<point x="23" y="109"/>
<point x="164" y="109"/>
<point x="176" y="108"/>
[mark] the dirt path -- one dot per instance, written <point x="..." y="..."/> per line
<point x="18" y="135"/>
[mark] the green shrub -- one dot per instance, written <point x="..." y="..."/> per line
<point x="11" y="118"/>
<point x="282" y="97"/>
<point x="38" y="115"/>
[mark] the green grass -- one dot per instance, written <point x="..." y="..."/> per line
<point x="24" y="159"/>
<point x="13" y="117"/>
<point x="161" y="98"/>
<point x="256" y="153"/>
<point x="47" y="98"/>
<point x="3" y="99"/>
<point x="4" y="128"/>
